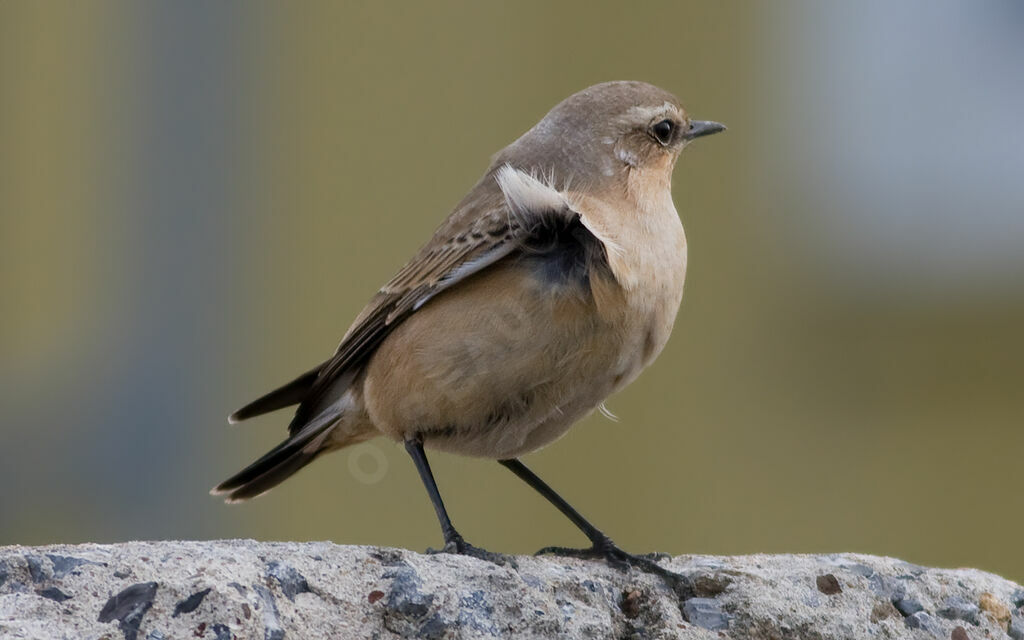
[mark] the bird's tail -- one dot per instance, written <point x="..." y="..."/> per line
<point x="320" y="435"/>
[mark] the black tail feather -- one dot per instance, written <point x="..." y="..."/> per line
<point x="260" y="477"/>
<point x="285" y="396"/>
<point x="282" y="461"/>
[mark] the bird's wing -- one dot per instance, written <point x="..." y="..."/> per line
<point x="481" y="233"/>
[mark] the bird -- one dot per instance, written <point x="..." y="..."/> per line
<point x="551" y="285"/>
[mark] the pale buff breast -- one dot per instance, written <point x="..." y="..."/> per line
<point x="647" y="254"/>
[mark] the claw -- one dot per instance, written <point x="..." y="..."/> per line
<point x="458" y="546"/>
<point x="621" y="560"/>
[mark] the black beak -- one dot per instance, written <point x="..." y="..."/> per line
<point x="700" y="128"/>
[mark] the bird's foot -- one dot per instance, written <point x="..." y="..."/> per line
<point x="458" y="546"/>
<point x="621" y="560"/>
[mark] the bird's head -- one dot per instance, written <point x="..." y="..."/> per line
<point x="599" y="136"/>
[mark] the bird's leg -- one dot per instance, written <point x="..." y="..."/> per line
<point x="453" y="541"/>
<point x="601" y="545"/>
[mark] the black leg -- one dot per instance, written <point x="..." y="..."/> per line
<point x="601" y="545"/>
<point x="419" y="458"/>
<point x="453" y="542"/>
<point x="593" y="533"/>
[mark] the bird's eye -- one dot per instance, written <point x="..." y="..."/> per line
<point x="663" y="131"/>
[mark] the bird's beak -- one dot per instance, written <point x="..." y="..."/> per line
<point x="700" y="128"/>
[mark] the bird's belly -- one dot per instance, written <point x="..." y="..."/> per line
<point x="497" y="367"/>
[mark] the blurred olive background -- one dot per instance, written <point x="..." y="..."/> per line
<point x="197" y="198"/>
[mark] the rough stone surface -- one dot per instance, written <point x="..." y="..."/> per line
<point x="241" y="589"/>
<point x="955" y="608"/>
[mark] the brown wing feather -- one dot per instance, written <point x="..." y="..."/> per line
<point x="489" y="238"/>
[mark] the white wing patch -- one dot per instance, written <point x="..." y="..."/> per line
<point x="526" y="194"/>
<point x="526" y="197"/>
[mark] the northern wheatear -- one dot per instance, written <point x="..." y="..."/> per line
<point x="550" y="286"/>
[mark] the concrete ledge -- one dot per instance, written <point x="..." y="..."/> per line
<point x="223" y="590"/>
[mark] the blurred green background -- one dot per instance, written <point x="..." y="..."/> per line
<point x="197" y="198"/>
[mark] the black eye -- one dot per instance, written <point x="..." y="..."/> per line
<point x="663" y="131"/>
